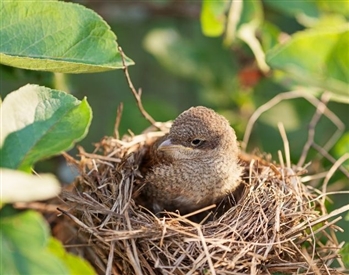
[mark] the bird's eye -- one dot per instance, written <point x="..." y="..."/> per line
<point x="196" y="142"/>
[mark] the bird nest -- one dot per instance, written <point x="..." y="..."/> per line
<point x="277" y="225"/>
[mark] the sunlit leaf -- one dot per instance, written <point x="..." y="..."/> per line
<point x="75" y="264"/>
<point x="23" y="241"/>
<point x="56" y="36"/>
<point x="38" y="122"/>
<point x="303" y="11"/>
<point x="212" y="17"/>
<point x="318" y="58"/>
<point x="333" y="6"/>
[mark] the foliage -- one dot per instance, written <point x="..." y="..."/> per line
<point x="39" y="122"/>
<point x="326" y="68"/>
<point x="28" y="247"/>
<point x="24" y="238"/>
<point x="266" y="48"/>
<point x="49" y="122"/>
<point x="56" y="36"/>
<point x="294" y="45"/>
<point x="345" y="255"/>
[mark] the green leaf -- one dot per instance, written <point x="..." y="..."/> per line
<point x="37" y="123"/>
<point x="269" y="35"/>
<point x="303" y="11"/>
<point x="252" y="13"/>
<point x="56" y="36"/>
<point x="191" y="58"/>
<point x="345" y="255"/>
<point x="318" y="58"/>
<point x="23" y="244"/>
<point x="17" y="186"/>
<point x="212" y="17"/>
<point x="75" y="264"/>
<point x="338" y="60"/>
<point x="339" y="7"/>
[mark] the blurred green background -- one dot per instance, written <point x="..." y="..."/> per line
<point x="177" y="67"/>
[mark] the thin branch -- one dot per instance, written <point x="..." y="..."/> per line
<point x="334" y="168"/>
<point x="292" y="95"/>
<point x="286" y="144"/>
<point x="207" y="253"/>
<point x="118" y="120"/>
<point x="246" y="35"/>
<point x="311" y="131"/>
<point x="134" y="252"/>
<point x="330" y="158"/>
<point x="137" y="95"/>
<point x="110" y="258"/>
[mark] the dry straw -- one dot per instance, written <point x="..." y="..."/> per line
<point x="280" y="224"/>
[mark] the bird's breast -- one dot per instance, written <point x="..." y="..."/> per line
<point x="187" y="186"/>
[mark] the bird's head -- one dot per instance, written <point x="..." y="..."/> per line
<point x="199" y="133"/>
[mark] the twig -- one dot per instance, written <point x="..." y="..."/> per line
<point x="281" y="159"/>
<point x="117" y="120"/>
<point x="137" y="95"/>
<point x="134" y="252"/>
<point x="325" y="154"/>
<point x="320" y="219"/>
<point x="39" y="206"/>
<point x="110" y="258"/>
<point x="286" y="144"/>
<point x="333" y="169"/>
<point x="321" y="110"/>
<point x="99" y="157"/>
<point x="199" y="211"/>
<point x="207" y="253"/>
<point x="292" y="95"/>
<point x="81" y="224"/>
<point x="311" y="132"/>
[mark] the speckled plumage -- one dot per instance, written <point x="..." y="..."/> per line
<point x="193" y="166"/>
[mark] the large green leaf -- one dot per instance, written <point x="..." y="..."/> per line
<point x="317" y="57"/>
<point x="56" y="36"/>
<point x="38" y="122"/>
<point x="75" y="264"/>
<point x="23" y="243"/>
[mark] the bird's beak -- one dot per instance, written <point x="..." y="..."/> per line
<point x="168" y="146"/>
<point x="165" y="145"/>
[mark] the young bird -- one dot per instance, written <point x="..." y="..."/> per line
<point x="195" y="165"/>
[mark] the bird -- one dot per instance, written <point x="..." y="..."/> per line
<point x="193" y="166"/>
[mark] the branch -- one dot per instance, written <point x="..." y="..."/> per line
<point x="311" y="128"/>
<point x="118" y="120"/>
<point x="137" y="95"/>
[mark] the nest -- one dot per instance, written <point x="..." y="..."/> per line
<point x="278" y="225"/>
